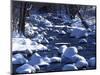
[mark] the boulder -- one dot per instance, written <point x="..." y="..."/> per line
<point x="92" y="62"/>
<point x="62" y="49"/>
<point x="70" y="51"/>
<point x="25" y="69"/>
<point x="36" y="59"/>
<point x="19" y="59"/>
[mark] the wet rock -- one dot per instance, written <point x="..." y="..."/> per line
<point x="55" y="59"/>
<point x="92" y="62"/>
<point x="69" y="67"/>
<point x="19" y="59"/>
<point x="26" y="69"/>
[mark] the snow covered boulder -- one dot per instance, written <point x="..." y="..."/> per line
<point x="67" y="55"/>
<point x="77" y="57"/>
<point x="62" y="49"/>
<point x="79" y="32"/>
<point x="55" y="59"/>
<point x="81" y="64"/>
<point x="70" y="51"/>
<point x="92" y="62"/>
<point x="25" y="69"/>
<point x="36" y="59"/>
<point x="69" y="67"/>
<point x="19" y="59"/>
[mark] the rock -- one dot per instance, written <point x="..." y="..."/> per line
<point x="92" y="62"/>
<point x="36" y="59"/>
<point x="81" y="64"/>
<point x="62" y="49"/>
<point x="69" y="67"/>
<point x="70" y="51"/>
<point x="82" y="41"/>
<point x="55" y="59"/>
<point x="19" y="59"/>
<point x="26" y="68"/>
<point x="79" y="32"/>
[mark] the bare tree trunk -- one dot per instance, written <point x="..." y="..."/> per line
<point x="21" y="26"/>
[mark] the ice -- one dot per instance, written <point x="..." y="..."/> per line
<point x="26" y="68"/>
<point x="19" y="59"/>
<point x="69" y="67"/>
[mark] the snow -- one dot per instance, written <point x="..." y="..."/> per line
<point x="69" y="67"/>
<point x="26" y="68"/>
<point x="22" y="44"/>
<point x="19" y="59"/>
<point x="36" y="59"/>
<point x="79" y="32"/>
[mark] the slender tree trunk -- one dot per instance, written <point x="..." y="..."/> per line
<point x="21" y="26"/>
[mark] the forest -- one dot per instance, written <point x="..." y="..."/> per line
<point x="50" y="37"/>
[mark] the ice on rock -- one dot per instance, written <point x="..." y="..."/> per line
<point x="26" y="68"/>
<point x="36" y="59"/>
<point x="19" y="59"/>
<point x="62" y="49"/>
<point x="92" y="62"/>
<point x="79" y="32"/>
<point x="55" y="59"/>
<point x="70" y="51"/>
<point x="81" y="64"/>
<point x="69" y="67"/>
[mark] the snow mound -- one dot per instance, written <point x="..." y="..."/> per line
<point x="69" y="67"/>
<point x="26" y="68"/>
<point x="19" y="59"/>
